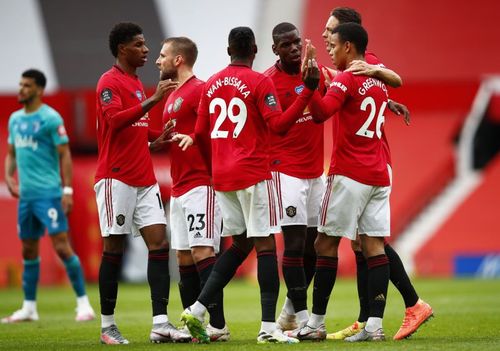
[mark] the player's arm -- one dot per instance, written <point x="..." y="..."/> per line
<point x="118" y="118"/>
<point x="67" y="176"/>
<point x="10" y="170"/>
<point x="400" y="109"/>
<point x="388" y="76"/>
<point x="323" y="108"/>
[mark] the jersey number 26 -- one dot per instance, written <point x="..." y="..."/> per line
<point x="364" y="131"/>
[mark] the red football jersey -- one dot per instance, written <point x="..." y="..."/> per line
<point x="234" y="107"/>
<point x="188" y="169"/>
<point x="360" y="102"/>
<point x="122" y="141"/>
<point x="298" y="153"/>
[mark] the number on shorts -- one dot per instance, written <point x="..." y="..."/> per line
<point x="159" y="201"/>
<point x="53" y="214"/>
<point x="363" y="131"/>
<point x="227" y="111"/>
<point x="200" y="225"/>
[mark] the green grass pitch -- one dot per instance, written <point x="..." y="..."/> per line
<point x="467" y="317"/>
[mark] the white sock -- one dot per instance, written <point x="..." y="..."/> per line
<point x="29" y="305"/>
<point x="82" y="301"/>
<point x="160" y="319"/>
<point x="268" y="327"/>
<point x="107" y="321"/>
<point x="373" y="324"/>
<point x="198" y="309"/>
<point x="288" y="306"/>
<point x="316" y="320"/>
<point x="303" y="317"/>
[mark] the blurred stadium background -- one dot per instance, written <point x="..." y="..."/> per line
<point x="446" y="193"/>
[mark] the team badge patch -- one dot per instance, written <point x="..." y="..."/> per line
<point x="169" y="108"/>
<point x="61" y="130"/>
<point x="291" y="211"/>
<point x="299" y="88"/>
<point x="270" y="101"/>
<point x="178" y="104"/>
<point x="120" y="220"/>
<point x="106" y="96"/>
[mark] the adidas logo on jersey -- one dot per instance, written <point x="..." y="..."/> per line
<point x="198" y="235"/>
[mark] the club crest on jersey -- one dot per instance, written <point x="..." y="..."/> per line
<point x="106" y="96"/>
<point x="138" y="93"/>
<point x="291" y="211"/>
<point x="120" y="220"/>
<point x="178" y="104"/>
<point x="270" y="101"/>
<point x="299" y="88"/>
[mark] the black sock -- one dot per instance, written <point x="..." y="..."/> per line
<point x="269" y="282"/>
<point x="189" y="285"/>
<point x="400" y="278"/>
<point x="324" y="280"/>
<point x="378" y="280"/>
<point x="109" y="271"/>
<point x="295" y="279"/>
<point x="224" y="269"/>
<point x="159" y="280"/>
<point x="362" y="282"/>
<point x="310" y="255"/>
<point x="216" y="307"/>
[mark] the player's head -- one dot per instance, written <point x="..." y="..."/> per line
<point x="241" y="44"/>
<point x="126" y="41"/>
<point x="287" y="44"/>
<point x="338" y="16"/>
<point x="174" y="53"/>
<point x="347" y="42"/>
<point x="31" y="86"/>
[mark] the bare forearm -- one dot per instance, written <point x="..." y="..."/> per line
<point x="389" y="77"/>
<point x="66" y="168"/>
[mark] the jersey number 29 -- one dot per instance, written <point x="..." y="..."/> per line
<point x="228" y="111"/>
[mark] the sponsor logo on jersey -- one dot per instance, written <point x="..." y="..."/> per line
<point x="291" y="211"/>
<point x="120" y="220"/>
<point x="106" y="96"/>
<point x="178" y="104"/>
<point x="271" y="101"/>
<point x="299" y="88"/>
<point x="26" y="142"/>
<point x="169" y="108"/>
<point x="61" y="130"/>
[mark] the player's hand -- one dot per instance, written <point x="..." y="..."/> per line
<point x="400" y="109"/>
<point x="165" y="138"/>
<point x="359" y="67"/>
<point x="13" y="187"/>
<point x="67" y="203"/>
<point x="184" y="141"/>
<point x="164" y="87"/>
<point x="309" y="54"/>
<point x="329" y="74"/>
<point x="311" y="75"/>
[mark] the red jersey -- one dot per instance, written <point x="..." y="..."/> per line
<point x="188" y="169"/>
<point x="360" y="102"/>
<point x="299" y="153"/>
<point x="122" y="130"/>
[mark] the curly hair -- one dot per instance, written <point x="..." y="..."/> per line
<point x="122" y="33"/>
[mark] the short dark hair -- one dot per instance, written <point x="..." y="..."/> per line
<point x="185" y="47"/>
<point x="122" y="33"/>
<point x="241" y="41"/>
<point x="353" y="33"/>
<point x="346" y="14"/>
<point x="37" y="75"/>
<point x="282" y="28"/>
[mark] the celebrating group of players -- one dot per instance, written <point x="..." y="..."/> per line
<point x="246" y="153"/>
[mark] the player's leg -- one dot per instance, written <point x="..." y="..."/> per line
<point x="50" y="213"/>
<point x="149" y="218"/>
<point x="362" y="287"/>
<point x="115" y="205"/>
<point x="373" y="227"/>
<point x="417" y="310"/>
<point x="30" y="230"/>
<point x="225" y="266"/>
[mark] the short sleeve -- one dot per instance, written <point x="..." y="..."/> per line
<point x="267" y="99"/>
<point x="108" y="95"/>
<point x="57" y="130"/>
<point x="10" y="137"/>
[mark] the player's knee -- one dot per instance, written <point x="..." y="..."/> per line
<point x="356" y="244"/>
<point x="265" y="244"/>
<point x="200" y="253"/>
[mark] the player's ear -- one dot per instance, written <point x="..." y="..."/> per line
<point x="229" y="51"/>
<point x="255" y="49"/>
<point x="275" y="50"/>
<point x="348" y="46"/>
